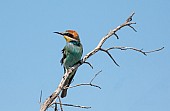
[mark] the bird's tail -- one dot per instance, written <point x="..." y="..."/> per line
<point x="67" y="84"/>
<point x="64" y="92"/>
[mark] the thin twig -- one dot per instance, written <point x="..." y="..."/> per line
<point x="116" y="36"/>
<point x="154" y="50"/>
<point x="110" y="56"/>
<point x="55" y="108"/>
<point x="95" y="76"/>
<point x="129" y="19"/>
<point x="88" y="64"/>
<point x="86" y="107"/>
<point x="132" y="28"/>
<point x="87" y="84"/>
<point x="135" y="49"/>
<point x="84" y="84"/>
<point x="40" y="97"/>
<point x="60" y="103"/>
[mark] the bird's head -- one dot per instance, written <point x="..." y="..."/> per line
<point x="69" y="35"/>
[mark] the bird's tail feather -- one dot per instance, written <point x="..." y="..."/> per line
<point x="67" y="84"/>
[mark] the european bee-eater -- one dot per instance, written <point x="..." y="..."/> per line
<point x="72" y="53"/>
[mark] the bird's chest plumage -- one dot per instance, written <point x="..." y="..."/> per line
<point x="73" y="53"/>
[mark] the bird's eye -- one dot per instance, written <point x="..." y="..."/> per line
<point x="69" y="35"/>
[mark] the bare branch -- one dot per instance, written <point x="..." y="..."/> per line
<point x="109" y="55"/>
<point x="86" y="107"/>
<point x="60" y="103"/>
<point x="154" y="50"/>
<point x="87" y="84"/>
<point x="132" y="28"/>
<point x="135" y="49"/>
<point x="112" y="32"/>
<point x="40" y="97"/>
<point x="53" y="103"/>
<point x="88" y="64"/>
<point x="78" y="106"/>
<point x="55" y="108"/>
<point x="116" y="36"/>
<point x="129" y="19"/>
<point x="95" y="76"/>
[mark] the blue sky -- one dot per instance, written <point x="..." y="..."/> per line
<point x="30" y="53"/>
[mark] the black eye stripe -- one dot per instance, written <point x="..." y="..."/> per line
<point x="69" y="35"/>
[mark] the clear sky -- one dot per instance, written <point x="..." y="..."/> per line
<point x="30" y="54"/>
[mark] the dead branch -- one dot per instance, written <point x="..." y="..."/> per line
<point x="135" y="49"/>
<point x="87" y="84"/>
<point x="55" y="108"/>
<point x="78" y="106"/>
<point x="107" y="52"/>
<point x="88" y="64"/>
<point x="60" y="103"/>
<point x="112" y="32"/>
<point x="95" y="76"/>
<point x="56" y="93"/>
<point x="40" y="97"/>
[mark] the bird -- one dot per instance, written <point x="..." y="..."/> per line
<point x="72" y="53"/>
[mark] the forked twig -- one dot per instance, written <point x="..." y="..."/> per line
<point x="107" y="52"/>
<point x="87" y="84"/>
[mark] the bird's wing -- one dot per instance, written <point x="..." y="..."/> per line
<point x="64" y="56"/>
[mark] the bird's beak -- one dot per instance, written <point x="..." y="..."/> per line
<point x="61" y="33"/>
